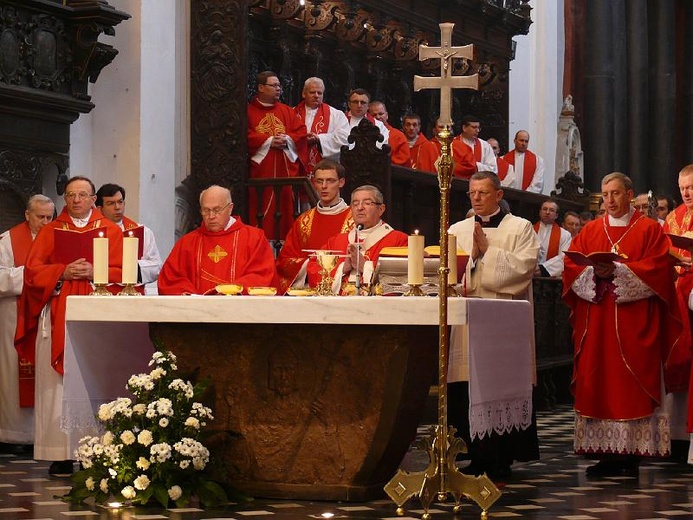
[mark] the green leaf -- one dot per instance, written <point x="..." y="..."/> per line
<point x="161" y="495"/>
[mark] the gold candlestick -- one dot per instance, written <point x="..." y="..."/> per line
<point x="414" y="290"/>
<point x="129" y="290"/>
<point x="100" y="290"/>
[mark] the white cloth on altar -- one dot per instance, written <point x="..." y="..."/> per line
<point x="498" y="365"/>
<point x="16" y="423"/>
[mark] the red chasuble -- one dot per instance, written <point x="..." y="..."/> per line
<point x="311" y="230"/>
<point x="202" y="259"/>
<point x="465" y="163"/>
<point x="529" y="166"/>
<point x="423" y="155"/>
<point x="41" y="275"/>
<point x="399" y="147"/>
<point x="620" y="348"/>
<point x="554" y="239"/>
<point x="265" y="122"/>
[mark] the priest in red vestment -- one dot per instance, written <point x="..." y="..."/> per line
<point x="40" y="337"/>
<point x="529" y="167"/>
<point x="314" y="227"/>
<point x="399" y="148"/>
<point x="367" y="207"/>
<point x="506" y="172"/>
<point x="553" y="241"/>
<point x="625" y="328"/>
<point x="482" y="152"/>
<point x="680" y="222"/>
<point x="277" y="148"/>
<point x="465" y="164"/>
<point x="422" y="151"/>
<point x="16" y="423"/>
<point x="223" y="250"/>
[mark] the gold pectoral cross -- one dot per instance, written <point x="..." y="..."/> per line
<point x="217" y="254"/>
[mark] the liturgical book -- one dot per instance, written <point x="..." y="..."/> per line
<point x="72" y="245"/>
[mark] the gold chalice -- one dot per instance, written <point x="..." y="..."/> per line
<point x="327" y="261"/>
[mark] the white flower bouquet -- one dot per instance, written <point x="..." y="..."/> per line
<point x="150" y="448"/>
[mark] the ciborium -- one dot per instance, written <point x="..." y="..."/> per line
<point x="327" y="261"/>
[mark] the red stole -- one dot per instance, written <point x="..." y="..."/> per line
<point x="503" y="168"/>
<point x="21" y="239"/>
<point x="476" y="148"/>
<point x="321" y="123"/>
<point x="529" y="166"/>
<point x="554" y="239"/>
<point x="129" y="223"/>
<point x="41" y="274"/>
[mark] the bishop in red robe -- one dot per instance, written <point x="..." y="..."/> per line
<point x="625" y="328"/>
<point x="223" y="250"/>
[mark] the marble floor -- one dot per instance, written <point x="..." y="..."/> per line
<point x="554" y="487"/>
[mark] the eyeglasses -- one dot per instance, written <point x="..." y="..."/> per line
<point x="207" y="212"/>
<point x="78" y="195"/>
<point x="325" y="182"/>
<point x="273" y="85"/>
<point x="480" y="193"/>
<point x="364" y="203"/>
<point x="357" y="102"/>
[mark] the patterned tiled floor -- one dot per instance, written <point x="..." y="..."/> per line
<point x="554" y="487"/>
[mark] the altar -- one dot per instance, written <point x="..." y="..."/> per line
<point x="314" y="398"/>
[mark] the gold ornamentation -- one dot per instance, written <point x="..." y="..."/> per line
<point x="271" y="125"/>
<point x="217" y="254"/>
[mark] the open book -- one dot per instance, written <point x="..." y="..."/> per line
<point x="684" y="241"/>
<point x="72" y="245"/>
<point x="598" y="257"/>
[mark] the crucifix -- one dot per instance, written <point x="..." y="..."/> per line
<point x="442" y="477"/>
<point x="446" y="82"/>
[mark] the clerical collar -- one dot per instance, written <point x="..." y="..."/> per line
<point x="335" y="209"/>
<point x="121" y="225"/>
<point x="470" y="142"/>
<point x="412" y="143"/>
<point x="268" y="105"/>
<point x="231" y="221"/>
<point x="81" y="222"/>
<point x="623" y="220"/>
<point x="366" y="232"/>
<point x="492" y="220"/>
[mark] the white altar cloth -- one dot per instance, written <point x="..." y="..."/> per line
<point x="107" y="338"/>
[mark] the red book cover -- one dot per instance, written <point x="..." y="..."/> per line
<point x="137" y="232"/>
<point x="72" y="245"/>
<point x="681" y="241"/>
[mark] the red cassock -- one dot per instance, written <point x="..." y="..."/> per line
<point x="310" y="230"/>
<point x="399" y="147"/>
<point x="41" y="275"/>
<point x="264" y="122"/>
<point x="620" y="348"/>
<point x="203" y="259"/>
<point x="424" y="154"/>
<point x="340" y="243"/>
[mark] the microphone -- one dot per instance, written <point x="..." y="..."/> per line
<point x="359" y="227"/>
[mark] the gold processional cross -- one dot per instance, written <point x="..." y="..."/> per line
<point x="442" y="477"/>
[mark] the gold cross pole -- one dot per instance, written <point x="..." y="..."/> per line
<point x="442" y="477"/>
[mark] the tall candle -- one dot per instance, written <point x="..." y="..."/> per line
<point x="101" y="259"/>
<point x="452" y="259"/>
<point x="130" y="247"/>
<point x="415" y="256"/>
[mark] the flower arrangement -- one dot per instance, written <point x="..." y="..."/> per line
<point x="150" y="448"/>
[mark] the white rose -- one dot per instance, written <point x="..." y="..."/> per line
<point x="90" y="484"/>
<point x="127" y="437"/>
<point x="128" y="492"/>
<point x="175" y="492"/>
<point x="103" y="486"/>
<point x="193" y="422"/>
<point x="163" y="422"/>
<point x="143" y="464"/>
<point x="145" y="438"/>
<point x="142" y="482"/>
<point x="139" y="409"/>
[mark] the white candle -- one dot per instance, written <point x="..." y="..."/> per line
<point x="101" y="259"/>
<point x="452" y="259"/>
<point x="415" y="256"/>
<point x="130" y="246"/>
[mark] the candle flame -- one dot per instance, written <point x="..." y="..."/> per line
<point x="100" y="234"/>
<point x="416" y="231"/>
<point x="130" y="233"/>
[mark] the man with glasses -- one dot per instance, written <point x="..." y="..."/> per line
<point x="16" y="423"/>
<point x="399" y="148"/>
<point x="110" y="199"/>
<point x="464" y="164"/>
<point x="357" y="263"/>
<point x="314" y="227"/>
<point x="482" y="152"/>
<point x="223" y="250"/>
<point x="40" y="337"/>
<point x="423" y="152"/>
<point x="358" y="109"/>
<point x="277" y="148"/>
<point x="503" y="251"/>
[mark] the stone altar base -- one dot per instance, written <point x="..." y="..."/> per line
<point x="312" y="412"/>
